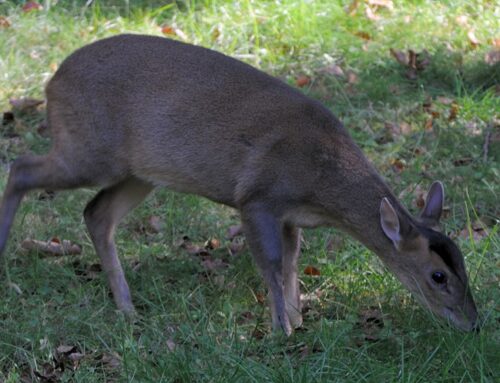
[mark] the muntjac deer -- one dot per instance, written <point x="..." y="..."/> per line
<point x="130" y="113"/>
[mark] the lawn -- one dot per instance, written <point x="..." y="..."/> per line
<point x="417" y="84"/>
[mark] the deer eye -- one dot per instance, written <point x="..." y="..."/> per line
<point x="439" y="277"/>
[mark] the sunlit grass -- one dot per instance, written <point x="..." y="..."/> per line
<point x="206" y="315"/>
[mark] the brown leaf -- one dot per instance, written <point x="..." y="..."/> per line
<point x="52" y="247"/>
<point x="215" y="34"/>
<point x="168" y="30"/>
<point x="25" y="105"/>
<point x="473" y="39"/>
<point x="302" y="80"/>
<point x="32" y="6"/>
<point x="212" y="244"/>
<point x="492" y="57"/>
<point x="400" y="56"/>
<point x="398" y="165"/>
<point x="4" y="22"/>
<point x="363" y="35"/>
<point x="261" y="298"/>
<point x="352" y="8"/>
<point x="428" y="124"/>
<point x="311" y="270"/>
<point x="453" y="111"/>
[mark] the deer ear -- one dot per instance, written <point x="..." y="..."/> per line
<point x="389" y="221"/>
<point x="431" y="213"/>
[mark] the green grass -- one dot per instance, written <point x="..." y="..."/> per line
<point x="215" y="320"/>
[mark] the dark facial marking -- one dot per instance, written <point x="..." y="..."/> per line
<point x="446" y="249"/>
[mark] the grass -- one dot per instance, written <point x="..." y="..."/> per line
<point x="210" y="325"/>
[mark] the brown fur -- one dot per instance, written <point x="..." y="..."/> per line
<point x="130" y="113"/>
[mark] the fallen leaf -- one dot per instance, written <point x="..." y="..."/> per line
<point x="65" y="349"/>
<point x="400" y="56"/>
<point x="419" y="195"/>
<point x="48" y="373"/>
<point x="192" y="248"/>
<point x="215" y="34"/>
<point x="445" y="100"/>
<point x="155" y="224"/>
<point x="334" y="70"/>
<point x="4" y="22"/>
<point x="171" y="346"/>
<point x="168" y="30"/>
<point x="212" y="244"/>
<point x="352" y="77"/>
<point x="32" y="6"/>
<point x="236" y="245"/>
<point x="52" y="247"/>
<point x="109" y="361"/>
<point x="352" y="8"/>
<point x="302" y="80"/>
<point x="382" y="3"/>
<point x="453" y="111"/>
<point x="363" y="35"/>
<point x="311" y="270"/>
<point x="492" y="57"/>
<point x="462" y="20"/>
<point x="405" y="128"/>
<point x="428" y="124"/>
<point x="370" y="14"/>
<point x="234" y="231"/>
<point x="398" y="165"/>
<point x="475" y="235"/>
<point x="473" y="39"/>
<point x="210" y="264"/>
<point x="245" y="317"/>
<point x="260" y="297"/>
<point x="25" y="105"/>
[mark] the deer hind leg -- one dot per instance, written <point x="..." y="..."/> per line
<point x="32" y="172"/>
<point x="102" y="215"/>
<point x="291" y="253"/>
<point x="263" y="232"/>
